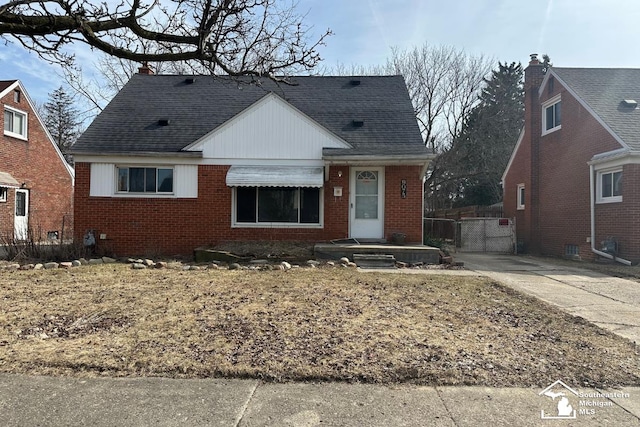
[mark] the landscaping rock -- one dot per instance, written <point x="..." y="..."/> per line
<point x="13" y="267"/>
<point x="138" y="266"/>
<point x="401" y="264"/>
<point x="26" y="267"/>
<point x="38" y="266"/>
<point x="66" y="265"/>
<point x="51" y="265"/>
<point x="108" y="260"/>
<point x="213" y="266"/>
<point x="83" y="261"/>
<point x="76" y="263"/>
<point x="344" y="260"/>
<point x="94" y="261"/>
<point x="185" y="267"/>
<point x="234" y="266"/>
<point x="352" y="265"/>
<point x="313" y="262"/>
<point x="331" y="263"/>
<point x="278" y="267"/>
<point x="285" y="265"/>
<point x="161" y="264"/>
<point x="148" y="262"/>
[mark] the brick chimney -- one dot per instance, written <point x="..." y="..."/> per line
<point x="145" y="69"/>
<point x="533" y="77"/>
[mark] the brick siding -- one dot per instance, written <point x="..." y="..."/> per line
<point x="35" y="164"/>
<point x="145" y="226"/>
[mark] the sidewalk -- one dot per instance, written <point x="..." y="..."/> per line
<point x="45" y="401"/>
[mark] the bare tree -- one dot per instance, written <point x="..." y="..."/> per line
<point x="444" y="84"/>
<point x="233" y="37"/>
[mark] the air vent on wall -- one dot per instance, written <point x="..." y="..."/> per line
<point x="630" y="103"/>
<point x="163" y="122"/>
<point x="358" y="123"/>
<point x="355" y="82"/>
<point x="190" y="80"/>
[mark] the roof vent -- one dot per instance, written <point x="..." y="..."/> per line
<point x="630" y="103"/>
<point x="358" y="123"/>
<point x="355" y="82"/>
<point x="163" y="122"/>
<point x="190" y="80"/>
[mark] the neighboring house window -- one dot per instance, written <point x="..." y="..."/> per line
<point x="610" y="186"/>
<point x="284" y="205"/>
<point x="520" y="196"/>
<point x="3" y="194"/>
<point x="145" y="180"/>
<point x="15" y="123"/>
<point x="551" y="115"/>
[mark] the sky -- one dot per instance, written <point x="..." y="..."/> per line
<point x="574" y="33"/>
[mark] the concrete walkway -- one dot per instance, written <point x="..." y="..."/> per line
<point x="609" y="302"/>
<point x="44" y="401"/>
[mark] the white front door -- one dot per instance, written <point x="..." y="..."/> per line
<point x="367" y="203"/>
<point x="21" y="222"/>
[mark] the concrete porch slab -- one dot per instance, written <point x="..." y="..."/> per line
<point x="409" y="253"/>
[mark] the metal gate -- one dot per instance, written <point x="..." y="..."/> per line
<point x="487" y="235"/>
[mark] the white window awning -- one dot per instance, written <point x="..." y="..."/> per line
<point x="275" y="176"/>
<point x="6" y="180"/>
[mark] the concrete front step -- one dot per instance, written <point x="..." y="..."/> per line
<point x="374" y="260"/>
<point x="408" y="253"/>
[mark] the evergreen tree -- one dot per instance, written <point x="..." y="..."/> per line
<point x="62" y="120"/>
<point x="481" y="150"/>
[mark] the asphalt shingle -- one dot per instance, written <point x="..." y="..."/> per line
<point x="130" y="122"/>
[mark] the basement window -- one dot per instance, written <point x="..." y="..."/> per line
<point x="571" y="250"/>
<point x="145" y="180"/>
<point x="551" y="115"/>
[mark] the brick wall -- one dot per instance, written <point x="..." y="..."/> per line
<point x="36" y="164"/>
<point x="142" y="226"/>
<point x="556" y="175"/>
<point x="403" y="215"/>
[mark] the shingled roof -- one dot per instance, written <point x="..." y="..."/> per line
<point x="604" y="90"/>
<point x="373" y="113"/>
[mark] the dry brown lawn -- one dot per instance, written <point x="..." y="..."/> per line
<point x="302" y="324"/>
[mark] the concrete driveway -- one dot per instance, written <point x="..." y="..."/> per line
<point x="609" y="302"/>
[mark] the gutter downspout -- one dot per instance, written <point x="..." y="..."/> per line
<point x="593" y="222"/>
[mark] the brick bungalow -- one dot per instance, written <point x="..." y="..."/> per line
<point x="564" y="183"/>
<point x="36" y="183"/>
<point x="175" y="162"/>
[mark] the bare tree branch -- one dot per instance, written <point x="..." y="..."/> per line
<point x="235" y="37"/>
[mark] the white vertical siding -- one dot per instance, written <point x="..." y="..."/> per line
<point x="185" y="180"/>
<point x="103" y="180"/>
<point x="270" y="129"/>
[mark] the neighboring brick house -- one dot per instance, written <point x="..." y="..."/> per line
<point x="573" y="180"/>
<point x="176" y="162"/>
<point x="36" y="183"/>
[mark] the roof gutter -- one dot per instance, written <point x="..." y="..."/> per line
<point x="398" y="159"/>
<point x="593" y="221"/>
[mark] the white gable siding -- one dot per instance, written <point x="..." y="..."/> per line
<point x="269" y="129"/>
<point x="103" y="180"/>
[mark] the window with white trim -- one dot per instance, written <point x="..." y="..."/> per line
<point x="144" y="180"/>
<point x="15" y="123"/>
<point x="520" y="197"/>
<point x="3" y="194"/>
<point x="609" y="186"/>
<point x="551" y="115"/>
<point x="277" y="205"/>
